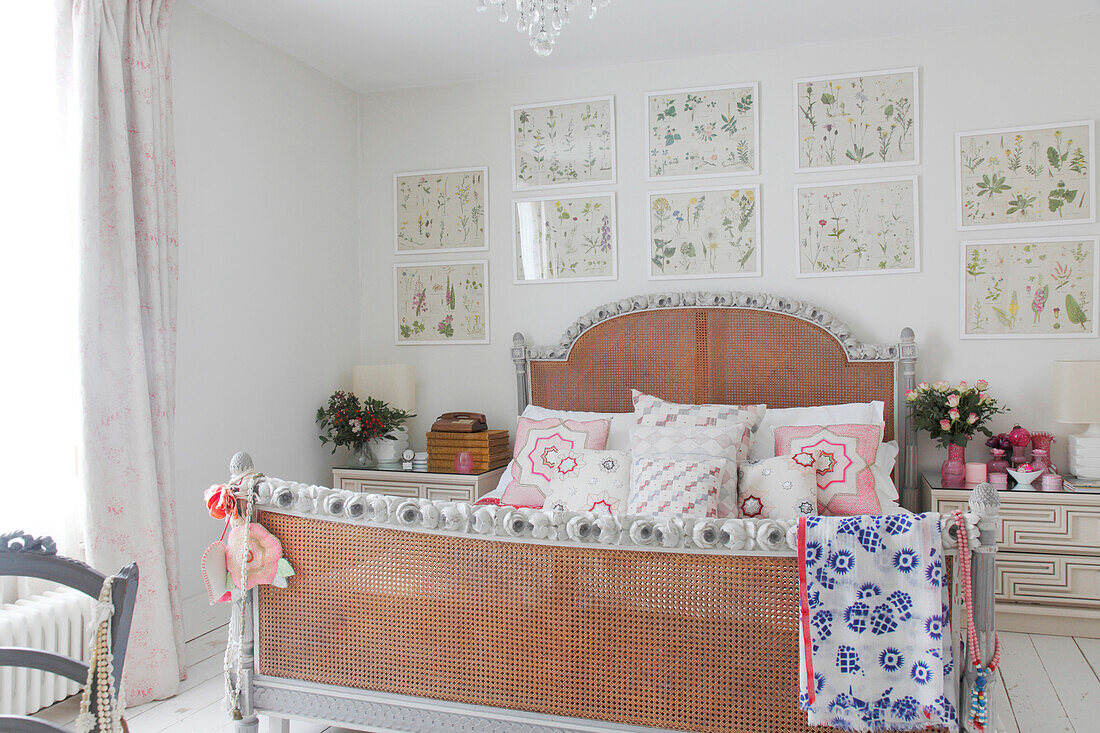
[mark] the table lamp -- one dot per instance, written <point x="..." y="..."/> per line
<point x="394" y="384"/>
<point x="1077" y="400"/>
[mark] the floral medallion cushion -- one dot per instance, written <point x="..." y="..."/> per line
<point x="776" y="488"/>
<point x="677" y="487"/>
<point x="650" y="410"/>
<point x="540" y="444"/>
<point x="842" y="457"/>
<point x="591" y="481"/>
<point x="675" y="441"/>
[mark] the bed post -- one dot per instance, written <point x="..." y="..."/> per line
<point x="242" y="647"/>
<point x="907" y="380"/>
<point x="519" y="358"/>
<point x="986" y="504"/>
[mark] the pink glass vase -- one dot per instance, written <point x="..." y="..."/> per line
<point x="997" y="464"/>
<point x="464" y="461"/>
<point x="1045" y="441"/>
<point x="953" y="470"/>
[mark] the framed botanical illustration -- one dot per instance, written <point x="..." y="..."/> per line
<point x="441" y="211"/>
<point x="704" y="232"/>
<point x="1030" y="288"/>
<point x="441" y="302"/>
<point x="707" y="131"/>
<point x="1025" y="176"/>
<point x="565" y="238"/>
<point x="567" y="143"/>
<point x="863" y="120"/>
<point x="865" y="227"/>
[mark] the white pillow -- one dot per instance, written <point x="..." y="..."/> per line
<point x="884" y="486"/>
<point x="591" y="481"/>
<point x="853" y="413"/>
<point x="617" y="439"/>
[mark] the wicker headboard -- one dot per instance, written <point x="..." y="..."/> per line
<point x="730" y="347"/>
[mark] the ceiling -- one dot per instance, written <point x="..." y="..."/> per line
<point x="374" y="45"/>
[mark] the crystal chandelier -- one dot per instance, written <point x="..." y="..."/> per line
<point x="542" y="20"/>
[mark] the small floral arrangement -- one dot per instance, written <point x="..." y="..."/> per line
<point x="348" y="422"/>
<point x="952" y="413"/>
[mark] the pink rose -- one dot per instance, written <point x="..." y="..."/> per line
<point x="922" y="386"/>
<point x="954" y="414"/>
<point x="972" y="418"/>
<point x="952" y="400"/>
<point x="945" y="424"/>
<point x="910" y="394"/>
<point x="963" y="384"/>
<point x="941" y="384"/>
<point x="982" y="385"/>
<point x="984" y="398"/>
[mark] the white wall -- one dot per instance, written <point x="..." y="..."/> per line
<point x="971" y="79"/>
<point x="266" y="152"/>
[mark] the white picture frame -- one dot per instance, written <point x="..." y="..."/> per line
<point x="967" y="331"/>
<point x="799" y="115"/>
<point x="534" y="252"/>
<point x="481" y="198"/>
<point x="963" y="160"/>
<point x="650" y="121"/>
<point x="913" y="180"/>
<point x="433" y="308"/>
<point x="572" y="108"/>
<point x="675" y="195"/>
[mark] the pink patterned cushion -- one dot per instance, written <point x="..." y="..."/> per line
<point x="591" y="481"/>
<point x="650" y="410"/>
<point x="842" y="456"/>
<point x="776" y="488"/>
<point x="540" y="445"/>
<point x="675" y="441"/>
<point x="685" y="487"/>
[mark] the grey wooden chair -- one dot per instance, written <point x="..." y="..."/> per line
<point x="36" y="557"/>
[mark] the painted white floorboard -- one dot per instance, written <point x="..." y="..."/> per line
<point x="1091" y="649"/>
<point x="1006" y="721"/>
<point x="1074" y="681"/>
<point x="1034" y="701"/>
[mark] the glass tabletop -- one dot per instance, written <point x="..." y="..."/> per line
<point x="935" y="481"/>
<point x="396" y="468"/>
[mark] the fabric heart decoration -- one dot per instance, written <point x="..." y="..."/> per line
<point x="253" y="550"/>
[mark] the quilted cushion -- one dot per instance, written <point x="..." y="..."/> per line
<point x="591" y="481"/>
<point x="650" y="410"/>
<point x="776" y="488"/>
<point x="674" y="441"/>
<point x="677" y="487"/>
<point x="540" y="445"/>
<point x="842" y="456"/>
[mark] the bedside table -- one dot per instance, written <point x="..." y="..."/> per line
<point x="1048" y="556"/>
<point x="417" y="484"/>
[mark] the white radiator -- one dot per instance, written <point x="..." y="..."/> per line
<point x="55" y="621"/>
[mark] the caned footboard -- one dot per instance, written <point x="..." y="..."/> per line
<point x="407" y="615"/>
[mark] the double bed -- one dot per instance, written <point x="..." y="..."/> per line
<point x="412" y="615"/>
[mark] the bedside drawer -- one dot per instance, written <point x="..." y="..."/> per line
<point x="1035" y="522"/>
<point x="388" y="488"/>
<point x="1060" y="580"/>
<point x="449" y="492"/>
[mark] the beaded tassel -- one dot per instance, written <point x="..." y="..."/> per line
<point x="101" y="673"/>
<point x="979" y="707"/>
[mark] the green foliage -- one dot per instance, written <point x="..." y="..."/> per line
<point x="1021" y="203"/>
<point x="345" y="421"/>
<point x="1075" y="313"/>
<point x="930" y="406"/>
<point x="992" y="184"/>
<point x="1060" y="196"/>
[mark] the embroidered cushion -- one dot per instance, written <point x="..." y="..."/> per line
<point x="677" y="487"/>
<point x="650" y="410"/>
<point x="776" y="488"/>
<point x="674" y="441"/>
<point x="540" y="444"/>
<point x="842" y="456"/>
<point x="590" y="481"/>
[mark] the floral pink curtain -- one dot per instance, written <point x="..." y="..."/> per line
<point x="118" y="90"/>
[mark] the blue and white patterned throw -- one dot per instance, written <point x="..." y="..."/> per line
<point x="875" y="619"/>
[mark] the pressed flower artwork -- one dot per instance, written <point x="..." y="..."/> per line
<point x="568" y="143"/>
<point x="1036" y="288"/>
<point x="858" y="227"/>
<point x="446" y="302"/>
<point x="565" y="238"/>
<point x="703" y="132"/>
<point x="857" y="120"/>
<point x="438" y="211"/>
<point x="713" y="232"/>
<point x="1026" y="176"/>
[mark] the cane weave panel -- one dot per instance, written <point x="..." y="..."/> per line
<point x="710" y="355"/>
<point x="689" y="642"/>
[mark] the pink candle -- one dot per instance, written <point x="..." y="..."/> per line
<point x="975" y="473"/>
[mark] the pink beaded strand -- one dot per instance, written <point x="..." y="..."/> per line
<point x="978" y="709"/>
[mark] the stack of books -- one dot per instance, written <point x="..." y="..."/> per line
<point x="489" y="448"/>
<point x="1081" y="485"/>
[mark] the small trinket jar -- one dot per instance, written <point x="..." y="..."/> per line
<point x="999" y="481"/>
<point x="1051" y="482"/>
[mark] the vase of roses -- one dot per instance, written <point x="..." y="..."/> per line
<point x="952" y="415"/>
<point x="348" y="422"/>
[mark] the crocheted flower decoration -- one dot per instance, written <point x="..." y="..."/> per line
<point x="262" y="557"/>
<point x="220" y="501"/>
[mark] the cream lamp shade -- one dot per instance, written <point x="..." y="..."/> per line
<point x="1077" y="400"/>
<point x="394" y="384"/>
